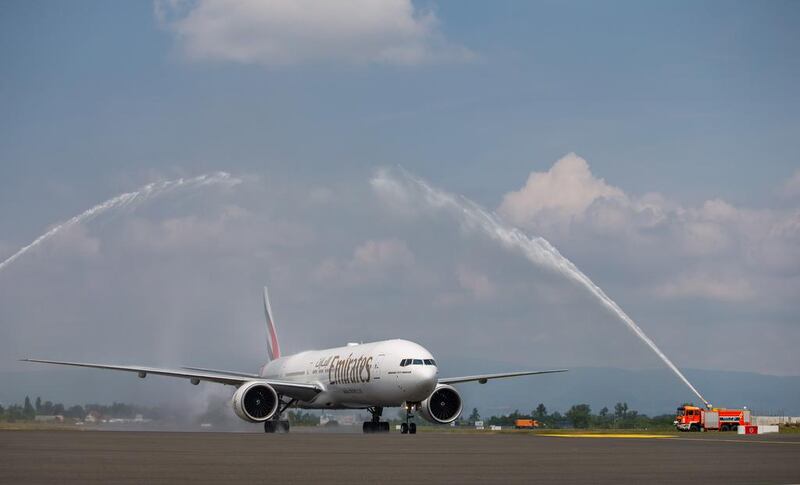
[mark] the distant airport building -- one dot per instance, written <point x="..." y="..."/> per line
<point x="49" y="418"/>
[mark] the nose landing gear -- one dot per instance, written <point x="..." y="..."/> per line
<point x="376" y="425"/>
<point x="408" y="427"/>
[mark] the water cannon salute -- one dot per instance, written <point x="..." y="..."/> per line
<point x="399" y="241"/>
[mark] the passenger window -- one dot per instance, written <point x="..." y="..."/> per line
<point x="417" y="361"/>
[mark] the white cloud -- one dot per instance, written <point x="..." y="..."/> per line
<point x="286" y="32"/>
<point x="475" y="282"/>
<point x="385" y="253"/>
<point x="703" y="237"/>
<point x="651" y="235"/>
<point x="75" y="241"/>
<point x="705" y="286"/>
<point x="372" y="260"/>
<point x="791" y="188"/>
<point x="565" y="191"/>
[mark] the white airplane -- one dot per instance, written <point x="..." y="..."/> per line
<point x="370" y="376"/>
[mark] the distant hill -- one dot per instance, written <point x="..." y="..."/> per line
<point x="653" y="391"/>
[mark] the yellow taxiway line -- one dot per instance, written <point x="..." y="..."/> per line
<point x="606" y="435"/>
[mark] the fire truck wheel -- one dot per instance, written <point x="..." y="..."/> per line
<point x="694" y="428"/>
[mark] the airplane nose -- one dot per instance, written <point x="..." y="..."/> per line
<point x="427" y="378"/>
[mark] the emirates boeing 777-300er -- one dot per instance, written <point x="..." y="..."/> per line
<point x="371" y="376"/>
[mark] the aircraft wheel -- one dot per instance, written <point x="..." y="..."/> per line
<point x="385" y="426"/>
<point x="403" y="428"/>
<point x="269" y="426"/>
<point x="284" y="426"/>
<point x="412" y="428"/>
<point x="369" y="427"/>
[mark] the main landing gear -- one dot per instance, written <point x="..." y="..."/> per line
<point x="376" y="425"/>
<point x="408" y="427"/>
<point x="276" y="424"/>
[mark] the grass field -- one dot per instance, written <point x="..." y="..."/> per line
<point x="34" y="426"/>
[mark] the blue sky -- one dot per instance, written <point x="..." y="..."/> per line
<point x="654" y="143"/>
<point x="693" y="99"/>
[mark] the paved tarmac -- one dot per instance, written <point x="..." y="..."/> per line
<point x="430" y="458"/>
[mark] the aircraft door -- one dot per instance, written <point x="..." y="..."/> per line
<point x="377" y="364"/>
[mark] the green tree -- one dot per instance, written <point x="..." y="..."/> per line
<point x="14" y="413"/>
<point x="620" y="411"/>
<point x="76" y="412"/>
<point x="474" y="416"/>
<point x="540" y="413"/>
<point x="2" y="413"/>
<point x="45" y="408"/>
<point x="580" y="415"/>
<point x="38" y="404"/>
<point x="603" y="419"/>
<point x="28" y="411"/>
<point x="556" y="420"/>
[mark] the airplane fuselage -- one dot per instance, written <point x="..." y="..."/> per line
<point x="384" y="373"/>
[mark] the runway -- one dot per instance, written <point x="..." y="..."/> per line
<point x="158" y="457"/>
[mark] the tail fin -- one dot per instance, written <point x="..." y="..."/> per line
<point x="273" y="347"/>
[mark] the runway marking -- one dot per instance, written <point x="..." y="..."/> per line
<point x="608" y="435"/>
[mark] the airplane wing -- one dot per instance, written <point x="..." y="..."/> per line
<point x="300" y="391"/>
<point x="227" y="372"/>
<point x="482" y="378"/>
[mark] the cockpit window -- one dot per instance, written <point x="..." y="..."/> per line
<point x="404" y="362"/>
<point x="417" y="361"/>
<point x="430" y="362"/>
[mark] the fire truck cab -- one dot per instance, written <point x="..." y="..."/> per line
<point x="693" y="418"/>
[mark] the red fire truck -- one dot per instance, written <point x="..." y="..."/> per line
<point x="693" y="418"/>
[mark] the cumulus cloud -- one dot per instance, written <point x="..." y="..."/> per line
<point x="566" y="190"/>
<point x="679" y="248"/>
<point x="286" y="32"/>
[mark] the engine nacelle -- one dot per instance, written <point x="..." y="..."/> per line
<point x="442" y="406"/>
<point x="255" y="402"/>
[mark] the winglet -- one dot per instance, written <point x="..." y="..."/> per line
<point x="273" y="347"/>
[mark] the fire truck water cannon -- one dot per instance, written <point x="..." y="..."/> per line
<point x="694" y="418"/>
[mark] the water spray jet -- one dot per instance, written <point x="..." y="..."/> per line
<point x="537" y="249"/>
<point x="129" y="200"/>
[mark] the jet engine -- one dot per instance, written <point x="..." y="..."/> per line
<point x="442" y="406"/>
<point x="255" y="401"/>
